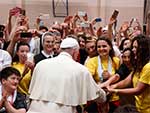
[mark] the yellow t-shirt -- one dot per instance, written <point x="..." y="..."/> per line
<point x="24" y="83"/>
<point x="143" y="100"/>
<point x="92" y="65"/>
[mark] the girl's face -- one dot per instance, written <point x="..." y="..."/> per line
<point x="22" y="53"/>
<point x="135" y="46"/>
<point x="126" y="56"/>
<point x="81" y="43"/>
<point x="127" y="44"/>
<point x="103" y="48"/>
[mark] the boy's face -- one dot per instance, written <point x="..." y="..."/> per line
<point x="90" y="48"/>
<point x="11" y="82"/>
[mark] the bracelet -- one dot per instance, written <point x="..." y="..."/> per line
<point x="116" y="90"/>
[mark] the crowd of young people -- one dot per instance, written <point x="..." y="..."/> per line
<point x="117" y="59"/>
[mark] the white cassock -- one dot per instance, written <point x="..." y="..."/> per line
<point x="59" y="84"/>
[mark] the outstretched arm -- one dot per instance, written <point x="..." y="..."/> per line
<point x="132" y="91"/>
<point x="124" y="83"/>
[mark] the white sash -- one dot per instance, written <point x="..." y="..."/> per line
<point x="100" y="67"/>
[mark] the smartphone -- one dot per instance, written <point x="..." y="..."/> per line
<point x="144" y="28"/>
<point x="98" y="19"/>
<point x="81" y="13"/>
<point x="26" y="35"/>
<point x="45" y="16"/>
<point x="1" y="34"/>
<point x="115" y="14"/>
<point x="134" y="19"/>
<point x="2" y="27"/>
<point x="85" y="25"/>
<point x="23" y="12"/>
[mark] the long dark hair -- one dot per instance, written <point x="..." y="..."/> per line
<point x="131" y="53"/>
<point x="111" y="52"/>
<point x="122" y="43"/>
<point x="16" y="57"/>
<point x="142" y="54"/>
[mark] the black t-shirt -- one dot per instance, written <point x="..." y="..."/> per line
<point x="123" y="71"/>
<point x="83" y="56"/>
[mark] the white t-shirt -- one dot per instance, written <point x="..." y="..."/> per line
<point x="5" y="59"/>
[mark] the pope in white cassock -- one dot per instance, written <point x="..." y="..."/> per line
<point x="59" y="84"/>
